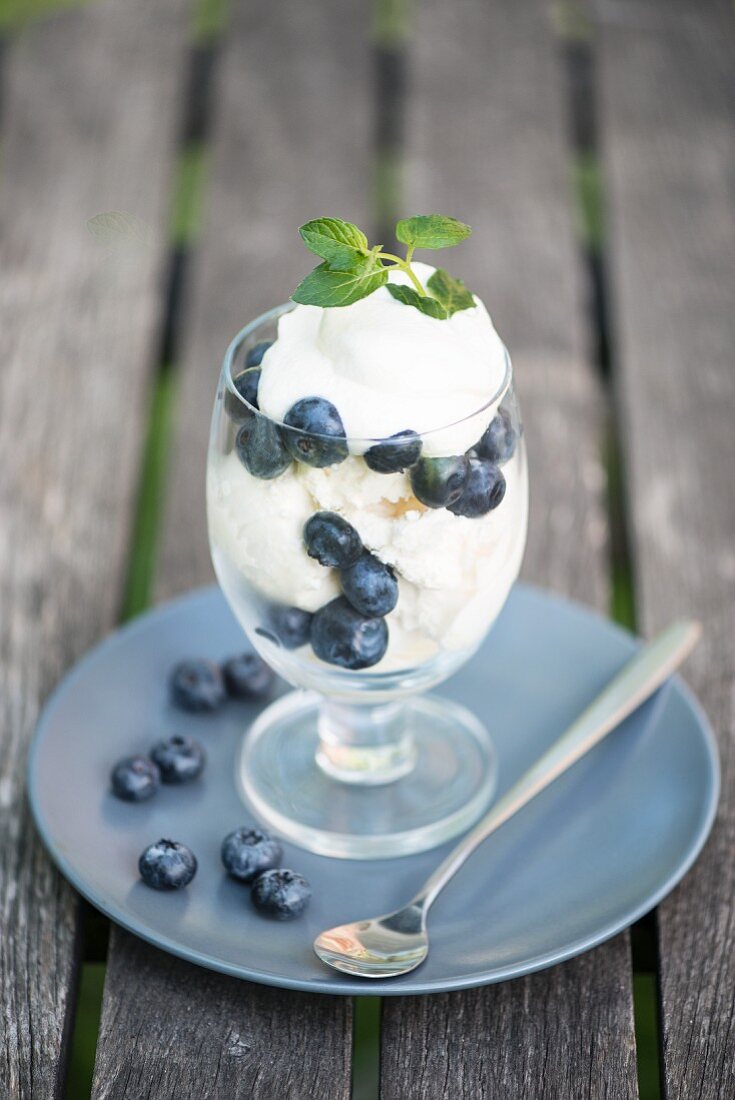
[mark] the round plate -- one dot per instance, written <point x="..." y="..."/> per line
<point x="588" y="856"/>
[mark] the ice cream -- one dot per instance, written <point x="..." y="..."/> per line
<point x="385" y="368"/>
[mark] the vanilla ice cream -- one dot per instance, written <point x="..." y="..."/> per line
<point x="386" y="367"/>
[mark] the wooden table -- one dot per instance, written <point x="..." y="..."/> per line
<point x="593" y="151"/>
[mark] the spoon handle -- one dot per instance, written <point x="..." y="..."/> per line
<point x="632" y="686"/>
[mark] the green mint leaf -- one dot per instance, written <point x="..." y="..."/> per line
<point x="411" y="297"/>
<point x="451" y="292"/>
<point x="326" y="287"/>
<point x="340" y="243"/>
<point x="431" y="231"/>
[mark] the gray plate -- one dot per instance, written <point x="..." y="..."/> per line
<point x="590" y="855"/>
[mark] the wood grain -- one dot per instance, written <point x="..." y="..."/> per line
<point x="174" y="1030"/>
<point x="291" y="141"/>
<point x="669" y="136"/>
<point x="77" y="322"/>
<point x="488" y="145"/>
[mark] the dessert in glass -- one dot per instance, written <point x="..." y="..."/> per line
<point x="367" y="504"/>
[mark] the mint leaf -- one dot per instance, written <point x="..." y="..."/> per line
<point x="340" y="243"/>
<point x="411" y="297"/>
<point x="431" y="231"/>
<point x="451" y="292"/>
<point x="327" y="287"/>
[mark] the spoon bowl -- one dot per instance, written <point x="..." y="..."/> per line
<point x="382" y="947"/>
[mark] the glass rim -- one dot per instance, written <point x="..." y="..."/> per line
<point x="274" y="314"/>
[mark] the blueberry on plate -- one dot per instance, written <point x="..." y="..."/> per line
<point x="247" y="676"/>
<point x="331" y="540"/>
<point x="438" y="482"/>
<point x="483" y="490"/>
<point x="281" y="894"/>
<point x="319" y="435"/>
<point x="167" y="865"/>
<point x="395" y="454"/>
<point x="197" y="686"/>
<point x="135" y="778"/>
<point x="247" y="852"/>
<point x="255" y="356"/>
<point x="499" y="439"/>
<point x="342" y="636"/>
<point x="178" y="759"/>
<point x="290" y="625"/>
<point x="260" y="447"/>
<point x="370" y="586"/>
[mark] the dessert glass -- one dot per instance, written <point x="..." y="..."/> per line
<point x="359" y="763"/>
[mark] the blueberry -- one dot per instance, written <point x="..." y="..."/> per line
<point x="135" y="778"/>
<point x="395" y="454"/>
<point x="331" y="540"/>
<point x="438" y="482"/>
<point x="255" y="356"/>
<point x="291" y="625"/>
<point x="247" y="676"/>
<point x="246" y="853"/>
<point x="342" y="636"/>
<point x="167" y="865"/>
<point x="197" y="686"/>
<point x="499" y="440"/>
<point x="281" y="894"/>
<point x="246" y="385"/>
<point x="320" y="436"/>
<point x="483" y="490"/>
<point x="179" y="759"/>
<point x="370" y="586"/>
<point x="260" y="447"/>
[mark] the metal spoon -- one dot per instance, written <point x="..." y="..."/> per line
<point x="393" y="944"/>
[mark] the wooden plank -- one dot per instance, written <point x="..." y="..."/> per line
<point x="77" y="324"/>
<point x="292" y="140"/>
<point x="669" y="137"/>
<point x="174" y="1030"/>
<point x="487" y="144"/>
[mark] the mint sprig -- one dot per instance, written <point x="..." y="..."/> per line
<point x="426" y="304"/>
<point x="431" y="231"/>
<point x="450" y="292"/>
<point x="351" y="269"/>
<point x="340" y="243"/>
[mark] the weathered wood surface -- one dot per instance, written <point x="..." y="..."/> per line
<point x="487" y="143"/>
<point x="669" y="137"/>
<point x="89" y="104"/>
<point x="291" y="141"/>
<point x="175" y="1030"/>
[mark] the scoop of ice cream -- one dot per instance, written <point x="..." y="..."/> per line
<point x="454" y="573"/>
<point x="387" y="367"/>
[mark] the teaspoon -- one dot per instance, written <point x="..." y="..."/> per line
<point x="395" y="943"/>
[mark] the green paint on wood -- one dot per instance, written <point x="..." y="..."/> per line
<point x="587" y="179"/>
<point x="622" y="607"/>
<point x="15" y="14"/>
<point x="391" y="22"/>
<point x="86" y="1028"/>
<point x="188" y="202"/>
<point x="366" y="1049"/>
<point x="150" y="498"/>
<point x="210" y="20"/>
<point x="645" y="1005"/>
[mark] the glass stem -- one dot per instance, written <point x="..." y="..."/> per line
<point x="364" y="745"/>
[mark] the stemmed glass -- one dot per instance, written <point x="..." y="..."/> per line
<point x="359" y="762"/>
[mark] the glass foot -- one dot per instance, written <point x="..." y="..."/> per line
<point x="292" y="781"/>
